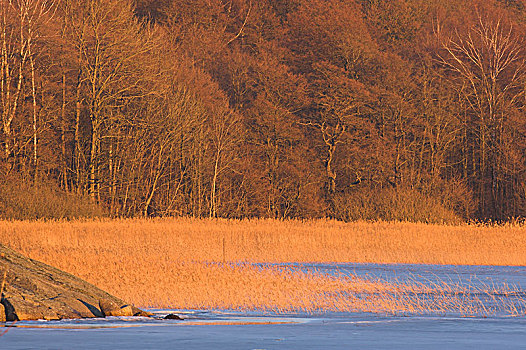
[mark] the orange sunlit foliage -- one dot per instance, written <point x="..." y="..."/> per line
<point x="271" y="108"/>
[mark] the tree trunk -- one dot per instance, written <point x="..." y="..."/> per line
<point x="213" y="206"/>
<point x="35" y="115"/>
<point x="77" y="149"/>
<point x="63" y="135"/>
<point x="93" y="159"/>
<point x="331" y="175"/>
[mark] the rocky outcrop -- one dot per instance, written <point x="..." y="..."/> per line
<point x="109" y="308"/>
<point x="33" y="290"/>
<point x="2" y="313"/>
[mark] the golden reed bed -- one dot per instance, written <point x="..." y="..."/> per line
<point x="277" y="241"/>
<point x="206" y="264"/>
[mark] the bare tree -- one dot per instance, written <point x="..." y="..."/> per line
<point x="224" y="128"/>
<point x="38" y="11"/>
<point x="340" y="101"/>
<point x="110" y="41"/>
<point x="14" y="55"/>
<point x="488" y="66"/>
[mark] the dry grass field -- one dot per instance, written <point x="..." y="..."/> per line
<point x="203" y="264"/>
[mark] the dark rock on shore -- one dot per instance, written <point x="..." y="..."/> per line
<point x="34" y="290"/>
<point x="173" y="317"/>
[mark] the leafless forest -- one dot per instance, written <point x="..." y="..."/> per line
<point x="364" y="109"/>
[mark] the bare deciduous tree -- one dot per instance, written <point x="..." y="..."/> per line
<point x="488" y="66"/>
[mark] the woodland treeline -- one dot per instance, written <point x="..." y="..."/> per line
<point x="364" y="109"/>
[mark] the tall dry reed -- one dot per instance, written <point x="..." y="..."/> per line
<point x="195" y="264"/>
<point x="276" y="241"/>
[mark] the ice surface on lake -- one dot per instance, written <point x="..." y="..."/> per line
<point x="235" y="330"/>
<point x="473" y="275"/>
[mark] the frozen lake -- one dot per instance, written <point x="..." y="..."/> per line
<point x="235" y="330"/>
